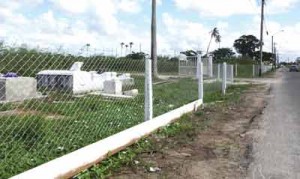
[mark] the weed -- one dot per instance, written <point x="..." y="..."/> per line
<point x="183" y="130"/>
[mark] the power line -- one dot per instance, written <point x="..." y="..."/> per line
<point x="253" y="7"/>
<point x="258" y="13"/>
<point x="266" y="20"/>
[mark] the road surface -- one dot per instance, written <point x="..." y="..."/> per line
<point x="276" y="150"/>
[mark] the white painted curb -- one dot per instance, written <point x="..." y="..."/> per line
<point x="73" y="163"/>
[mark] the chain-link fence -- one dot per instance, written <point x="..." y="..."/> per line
<point x="250" y="70"/>
<point x="173" y="91"/>
<point x="188" y="66"/>
<point x="52" y="104"/>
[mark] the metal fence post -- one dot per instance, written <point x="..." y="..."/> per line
<point x="232" y="73"/>
<point x="210" y="66"/>
<point x="219" y="71"/>
<point x="148" y="90"/>
<point x="253" y="71"/>
<point x="179" y="69"/>
<point x="200" y="77"/>
<point x="236" y="70"/>
<point x="224" y="78"/>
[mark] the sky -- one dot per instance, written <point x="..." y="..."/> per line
<point x="68" y="25"/>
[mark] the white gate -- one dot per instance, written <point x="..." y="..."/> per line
<point x="188" y="66"/>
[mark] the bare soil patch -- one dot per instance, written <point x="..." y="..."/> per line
<point x="218" y="146"/>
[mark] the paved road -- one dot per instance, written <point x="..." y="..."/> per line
<point x="277" y="149"/>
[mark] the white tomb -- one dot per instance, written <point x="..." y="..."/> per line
<point x="17" y="89"/>
<point x="77" y="81"/>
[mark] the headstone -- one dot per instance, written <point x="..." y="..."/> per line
<point x="113" y="87"/>
<point x="17" y="88"/>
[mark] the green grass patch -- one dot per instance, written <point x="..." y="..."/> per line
<point x="245" y="71"/>
<point x="182" y="130"/>
<point x="59" y="124"/>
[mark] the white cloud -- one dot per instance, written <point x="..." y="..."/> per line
<point x="99" y="23"/>
<point x="183" y="34"/>
<point x="95" y="22"/>
<point x="131" y="6"/>
<point x="221" y="8"/>
<point x="279" y="6"/>
<point x="78" y="6"/>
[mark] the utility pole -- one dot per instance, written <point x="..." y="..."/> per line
<point x="261" y="35"/>
<point x="154" y="40"/>
<point x="273" y="55"/>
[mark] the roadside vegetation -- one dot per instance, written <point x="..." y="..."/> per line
<point x="183" y="129"/>
<point x="36" y="131"/>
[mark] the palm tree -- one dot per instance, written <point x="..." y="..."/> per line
<point x="214" y="34"/>
<point x="153" y="41"/>
<point x="87" y="49"/>
<point x="122" y="45"/>
<point x="126" y="49"/>
<point x="130" y="45"/>
<point x="218" y="40"/>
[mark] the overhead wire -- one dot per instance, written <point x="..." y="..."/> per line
<point x="258" y="13"/>
<point x="266" y="16"/>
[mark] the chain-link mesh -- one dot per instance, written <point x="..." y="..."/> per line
<point x="212" y="85"/>
<point x="249" y="71"/>
<point x="52" y="104"/>
<point x="175" y="90"/>
<point x="188" y="66"/>
<point x="48" y="109"/>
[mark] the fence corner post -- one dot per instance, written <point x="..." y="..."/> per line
<point x="200" y="77"/>
<point x="148" y="104"/>
<point x="224" y="78"/>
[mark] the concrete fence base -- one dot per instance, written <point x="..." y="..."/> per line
<point x="73" y="163"/>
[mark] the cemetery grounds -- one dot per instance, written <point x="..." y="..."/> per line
<point x="39" y="130"/>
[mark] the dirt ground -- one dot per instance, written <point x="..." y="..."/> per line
<point x="220" y="146"/>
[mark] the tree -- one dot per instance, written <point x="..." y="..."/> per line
<point x="126" y="46"/>
<point x="214" y="34"/>
<point x="136" y="55"/>
<point x="153" y="41"/>
<point x="223" y="53"/>
<point x="267" y="56"/>
<point x="122" y="46"/>
<point x="246" y="45"/>
<point x="130" y="45"/>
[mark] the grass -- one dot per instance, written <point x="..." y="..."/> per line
<point x="183" y="128"/>
<point x="245" y="71"/>
<point x="49" y="128"/>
